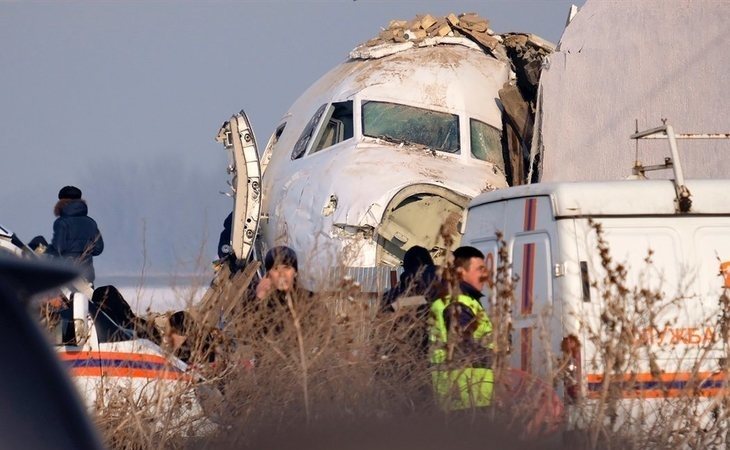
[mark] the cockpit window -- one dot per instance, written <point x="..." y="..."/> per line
<point x="303" y="142"/>
<point x="275" y="138"/>
<point x="411" y="125"/>
<point x="486" y="143"/>
<point x="337" y="126"/>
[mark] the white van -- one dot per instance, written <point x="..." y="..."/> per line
<point x="661" y="309"/>
<point x="111" y="365"/>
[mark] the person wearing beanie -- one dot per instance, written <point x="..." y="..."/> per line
<point x="281" y="272"/>
<point x="69" y="192"/>
<point x="281" y="255"/>
<point x="270" y="299"/>
<point x="76" y="236"/>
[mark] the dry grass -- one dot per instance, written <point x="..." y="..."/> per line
<point x="334" y="371"/>
<point x="623" y="349"/>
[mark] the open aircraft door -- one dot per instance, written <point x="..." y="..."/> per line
<point x="237" y="137"/>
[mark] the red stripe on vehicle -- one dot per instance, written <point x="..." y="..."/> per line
<point x="665" y="385"/>
<point x="530" y="219"/>
<point x="526" y="349"/>
<point x="528" y="278"/>
<point x="136" y="357"/>
<point x="128" y="372"/>
<point x="528" y="258"/>
<point x="121" y="364"/>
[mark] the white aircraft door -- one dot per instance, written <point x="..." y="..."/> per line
<point x="237" y="137"/>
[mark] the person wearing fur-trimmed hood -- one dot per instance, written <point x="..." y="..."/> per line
<point x="75" y="235"/>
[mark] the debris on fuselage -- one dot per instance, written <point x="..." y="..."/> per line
<point x="424" y="29"/>
<point x="526" y="53"/>
<point x="425" y="26"/>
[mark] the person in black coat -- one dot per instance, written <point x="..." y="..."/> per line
<point x="269" y="295"/>
<point x="75" y="235"/>
<point x="418" y="278"/>
<point x="224" y="240"/>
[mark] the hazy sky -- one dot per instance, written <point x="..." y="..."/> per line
<point x="123" y="99"/>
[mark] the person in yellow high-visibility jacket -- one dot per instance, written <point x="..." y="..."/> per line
<point x="460" y="338"/>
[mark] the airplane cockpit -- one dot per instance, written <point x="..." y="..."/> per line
<point x="377" y="154"/>
<point x="397" y="124"/>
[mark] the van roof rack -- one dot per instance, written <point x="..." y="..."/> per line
<point x="683" y="201"/>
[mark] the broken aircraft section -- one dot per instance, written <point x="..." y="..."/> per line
<point x="381" y="150"/>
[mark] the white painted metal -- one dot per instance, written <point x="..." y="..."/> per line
<point x="614" y="198"/>
<point x="365" y="173"/>
<point x="238" y="138"/>
<point x="7" y="244"/>
<point x="158" y="388"/>
<point x="164" y="385"/>
<point x="639" y="224"/>
<point x="619" y="62"/>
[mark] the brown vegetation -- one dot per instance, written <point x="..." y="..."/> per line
<point x="335" y="371"/>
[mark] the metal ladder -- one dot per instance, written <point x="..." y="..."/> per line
<point x="683" y="200"/>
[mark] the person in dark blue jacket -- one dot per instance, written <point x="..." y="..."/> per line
<point x="75" y="234"/>
<point x="224" y="241"/>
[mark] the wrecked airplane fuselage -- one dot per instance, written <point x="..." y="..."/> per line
<point x="373" y="157"/>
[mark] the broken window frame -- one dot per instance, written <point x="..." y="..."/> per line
<point x="456" y="126"/>
<point x="269" y="150"/>
<point x="495" y="151"/>
<point x="305" y="139"/>
<point x="343" y="131"/>
<point x="274" y="139"/>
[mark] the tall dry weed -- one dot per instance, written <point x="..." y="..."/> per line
<point x="336" y="371"/>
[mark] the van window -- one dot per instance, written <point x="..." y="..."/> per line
<point x="486" y="143"/>
<point x="303" y="142"/>
<point x="337" y="126"/>
<point x="410" y="125"/>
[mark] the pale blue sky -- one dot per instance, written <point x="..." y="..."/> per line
<point x="123" y="99"/>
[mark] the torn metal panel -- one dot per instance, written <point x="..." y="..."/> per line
<point x="380" y="50"/>
<point x="374" y="156"/>
<point x="518" y="126"/>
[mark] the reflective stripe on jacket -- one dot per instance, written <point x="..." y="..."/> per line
<point x="464" y="378"/>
